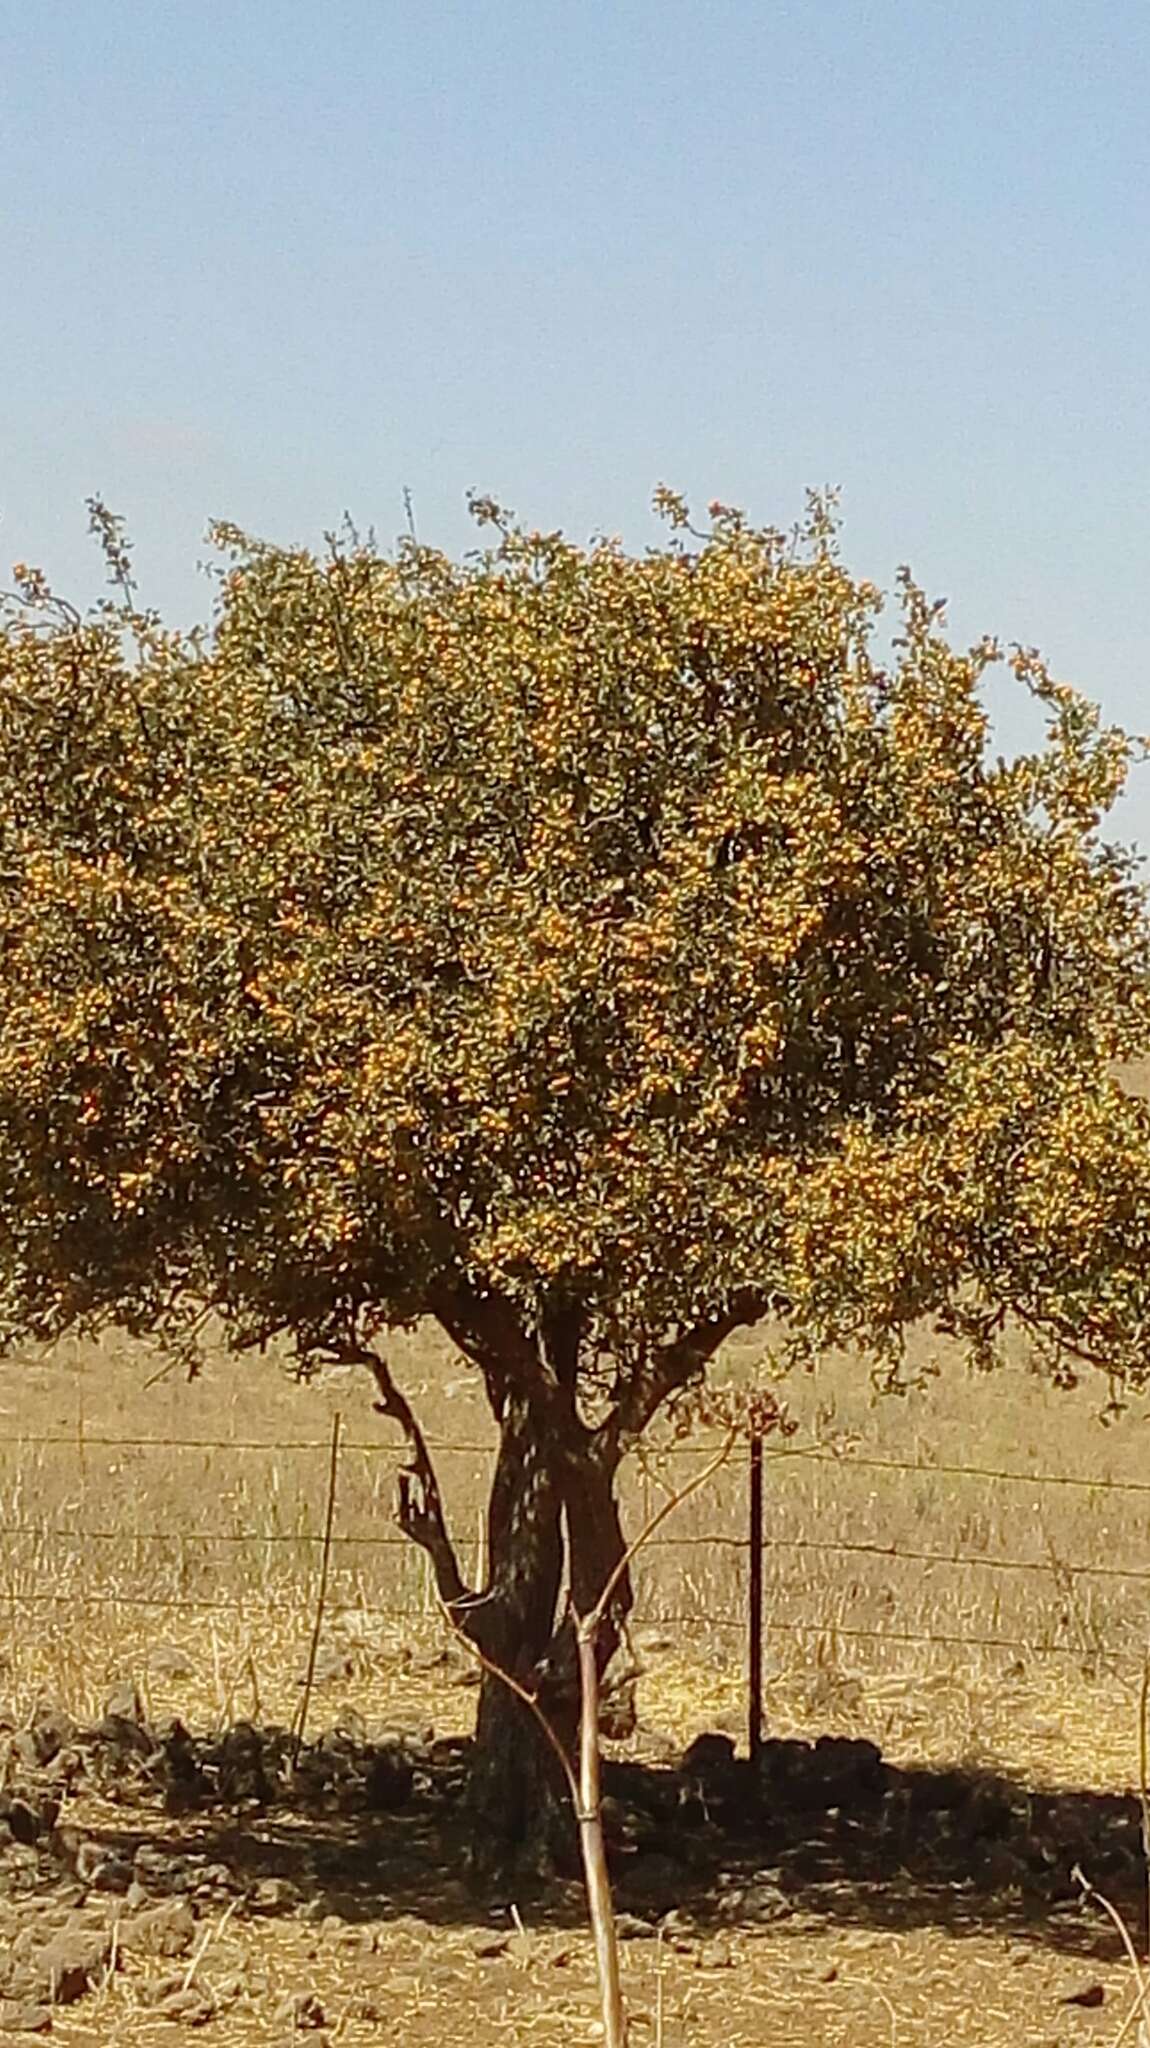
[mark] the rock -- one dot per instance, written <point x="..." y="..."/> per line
<point x="629" y="1927"/>
<point x="715" y="1955"/>
<point x="66" y="1766"/>
<point x="125" y="1737"/>
<point x="709" y="1756"/>
<point x="161" y="1988"/>
<point x="273" y="1895"/>
<point x="191" y="2008"/>
<point x="25" y="1824"/>
<point x="158" y="1871"/>
<point x="165" y="1929"/>
<point x="179" y="1769"/>
<point x="836" y="1771"/>
<point x="23" y="2016"/>
<point x="51" y="1730"/>
<point x="489" y="1946"/>
<point x="167" y="1660"/>
<point x="338" y="1909"/>
<point x="332" y="1666"/>
<point x="352" y="1726"/>
<point x="102" y="1869"/>
<point x="761" y="1902"/>
<point x="239" y="1760"/>
<point x="300" y="2010"/>
<point x="656" y="1881"/>
<point x="1090" y="1997"/>
<point x="124" y="1703"/>
<point x="64" y="1968"/>
<point x="389" y="1780"/>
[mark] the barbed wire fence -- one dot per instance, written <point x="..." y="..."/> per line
<point x="751" y="1613"/>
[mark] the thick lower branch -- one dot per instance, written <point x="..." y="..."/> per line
<point x="672" y="1366"/>
<point x="420" y="1506"/>
<point x="487" y="1330"/>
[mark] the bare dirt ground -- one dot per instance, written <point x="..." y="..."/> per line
<point x="207" y="1888"/>
<point x="887" y="1918"/>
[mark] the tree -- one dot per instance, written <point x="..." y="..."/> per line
<point x="593" y="952"/>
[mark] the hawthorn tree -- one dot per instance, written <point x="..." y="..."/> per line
<point x="593" y="952"/>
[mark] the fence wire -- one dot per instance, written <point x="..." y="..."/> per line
<point x="1059" y="1570"/>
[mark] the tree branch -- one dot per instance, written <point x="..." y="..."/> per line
<point x="673" y="1366"/>
<point x="487" y="1330"/>
<point x="420" y="1507"/>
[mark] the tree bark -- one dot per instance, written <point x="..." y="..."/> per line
<point x="553" y="1514"/>
<point x="516" y="1793"/>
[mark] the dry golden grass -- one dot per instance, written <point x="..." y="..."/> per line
<point x="120" y="1544"/>
<point x="194" y="1571"/>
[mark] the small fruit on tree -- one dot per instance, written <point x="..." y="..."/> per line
<point x="594" y="952"/>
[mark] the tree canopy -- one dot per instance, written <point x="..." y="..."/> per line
<point x="593" y="951"/>
<point x="560" y="930"/>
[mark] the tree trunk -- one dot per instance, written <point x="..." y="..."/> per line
<point x="516" y="1791"/>
<point x="552" y="1514"/>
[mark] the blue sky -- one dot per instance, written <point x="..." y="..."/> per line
<point x="271" y="261"/>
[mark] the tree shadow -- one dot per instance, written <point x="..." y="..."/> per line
<point x="824" y="1833"/>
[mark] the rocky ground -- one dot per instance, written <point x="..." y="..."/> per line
<point x="154" y="1882"/>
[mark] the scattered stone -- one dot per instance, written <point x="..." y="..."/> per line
<point x="331" y="1666"/>
<point x="709" y="1756"/>
<point x="629" y="1927"/>
<point x="488" y="1946"/>
<point x="158" y="1871"/>
<point x="656" y="1880"/>
<point x="165" y="1929"/>
<point x="369" y="2011"/>
<point x="103" y="1869"/>
<point x="273" y="1895"/>
<point x="167" y="1660"/>
<point x="65" y="1767"/>
<point x="23" y="2016"/>
<point x="125" y="1736"/>
<point x="62" y="1969"/>
<point x="25" y="1824"/>
<point x="312" y="1911"/>
<point x="191" y="2008"/>
<point x="301" y="2011"/>
<point x="160" y="1988"/>
<point x="239" y="1764"/>
<point x="763" y="1903"/>
<point x="352" y="1726"/>
<point x="124" y="1703"/>
<point x="389" y="1779"/>
<point x="51" y="1731"/>
<point x="1090" y="1997"/>
<point x="24" y="1750"/>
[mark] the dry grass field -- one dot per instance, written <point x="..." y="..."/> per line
<point x="955" y="1618"/>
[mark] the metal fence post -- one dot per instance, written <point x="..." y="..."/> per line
<point x="755" y="1621"/>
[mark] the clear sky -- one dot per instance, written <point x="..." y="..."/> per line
<point x="271" y="260"/>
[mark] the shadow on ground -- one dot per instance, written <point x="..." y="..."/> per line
<point x="817" y="1833"/>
